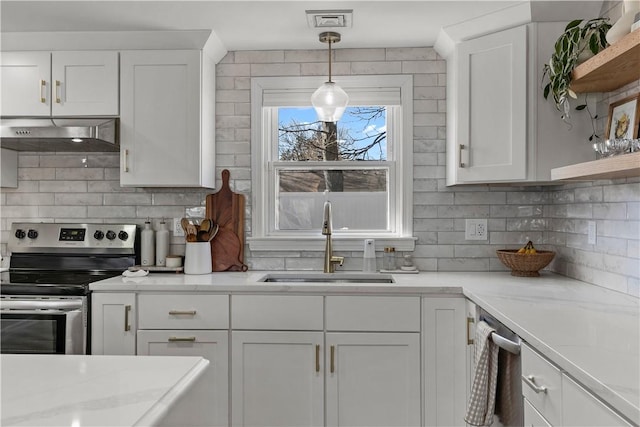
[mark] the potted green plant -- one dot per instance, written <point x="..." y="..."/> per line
<point x="571" y="45"/>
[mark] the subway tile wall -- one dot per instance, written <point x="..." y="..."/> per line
<point x="85" y="187"/>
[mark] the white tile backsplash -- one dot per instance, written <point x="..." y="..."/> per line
<point x="85" y="186"/>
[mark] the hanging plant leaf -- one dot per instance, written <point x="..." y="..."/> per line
<point x="547" y="88"/>
<point x="593" y="43"/>
<point x="573" y="24"/>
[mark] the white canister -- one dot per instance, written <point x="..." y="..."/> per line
<point x="197" y="258"/>
<point x="174" y="261"/>
<point x="147" y="245"/>
<point x="162" y="243"/>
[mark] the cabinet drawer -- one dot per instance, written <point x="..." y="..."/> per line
<point x="532" y="418"/>
<point x="287" y="313"/>
<point x="538" y="372"/>
<point x="581" y="408"/>
<point x="182" y="311"/>
<point x="369" y="313"/>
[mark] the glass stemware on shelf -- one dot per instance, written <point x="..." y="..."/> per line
<point x="614" y="147"/>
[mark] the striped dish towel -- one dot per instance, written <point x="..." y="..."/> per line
<point x="483" y="390"/>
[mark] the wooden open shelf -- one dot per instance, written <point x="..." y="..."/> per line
<point x="610" y="69"/>
<point x="622" y="166"/>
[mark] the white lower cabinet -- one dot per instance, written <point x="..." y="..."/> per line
<point x="532" y="417"/>
<point x="113" y="323"/>
<point x="208" y="402"/>
<point x="190" y="325"/>
<point x="552" y="398"/>
<point x="444" y="352"/>
<point x="277" y="378"/>
<point x="581" y="408"/>
<point x="372" y="379"/>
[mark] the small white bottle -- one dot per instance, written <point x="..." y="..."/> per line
<point x="147" y="245"/>
<point x="369" y="258"/>
<point x="162" y="243"/>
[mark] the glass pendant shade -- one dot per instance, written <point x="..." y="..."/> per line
<point x="329" y="101"/>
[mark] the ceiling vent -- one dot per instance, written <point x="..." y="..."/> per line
<point x="330" y="18"/>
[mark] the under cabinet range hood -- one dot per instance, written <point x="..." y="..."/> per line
<point x="57" y="134"/>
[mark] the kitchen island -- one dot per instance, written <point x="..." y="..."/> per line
<point x="591" y="333"/>
<point x="82" y="391"/>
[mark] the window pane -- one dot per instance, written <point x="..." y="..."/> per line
<point x="359" y="199"/>
<point x="361" y="134"/>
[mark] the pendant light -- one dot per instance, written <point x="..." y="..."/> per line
<point x="329" y="100"/>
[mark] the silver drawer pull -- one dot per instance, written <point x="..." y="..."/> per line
<point x="182" y="312"/>
<point x="182" y="339"/>
<point x="531" y="382"/>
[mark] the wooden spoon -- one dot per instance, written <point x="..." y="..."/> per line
<point x="184" y="222"/>
<point x="205" y="225"/>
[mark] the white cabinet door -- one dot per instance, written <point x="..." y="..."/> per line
<point x="113" y="323"/>
<point x="160" y="121"/>
<point x="85" y="83"/>
<point x="26" y="84"/>
<point x="373" y="379"/>
<point x="491" y="143"/>
<point x="444" y="349"/>
<point x="208" y="404"/>
<point x="532" y="418"/>
<point x="581" y="408"/>
<point x="277" y="379"/>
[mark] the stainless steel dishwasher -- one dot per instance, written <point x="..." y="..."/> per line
<point x="509" y="408"/>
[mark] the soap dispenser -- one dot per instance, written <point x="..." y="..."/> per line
<point x="369" y="259"/>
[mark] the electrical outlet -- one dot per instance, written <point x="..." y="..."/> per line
<point x="177" y="227"/>
<point x="475" y="229"/>
<point x="591" y="232"/>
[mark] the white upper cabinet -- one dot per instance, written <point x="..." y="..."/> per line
<point x="492" y="106"/>
<point x="84" y="83"/>
<point x="167" y="120"/>
<point x="499" y="126"/>
<point x="61" y="84"/>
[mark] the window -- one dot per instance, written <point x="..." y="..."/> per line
<point x="361" y="164"/>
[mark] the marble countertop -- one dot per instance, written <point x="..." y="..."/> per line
<point x="590" y="332"/>
<point x="80" y="391"/>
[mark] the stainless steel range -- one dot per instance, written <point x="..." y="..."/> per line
<point x="44" y="303"/>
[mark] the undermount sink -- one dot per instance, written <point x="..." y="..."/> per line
<point x="327" y="278"/>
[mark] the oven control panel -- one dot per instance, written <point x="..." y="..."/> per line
<point x="30" y="237"/>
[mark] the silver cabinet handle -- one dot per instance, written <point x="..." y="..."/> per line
<point x="460" y="148"/>
<point x="182" y="339"/>
<point x="57" y="91"/>
<point x="127" y="326"/>
<point x="125" y="160"/>
<point x="182" y="312"/>
<point x="43" y="91"/>
<point x="531" y="382"/>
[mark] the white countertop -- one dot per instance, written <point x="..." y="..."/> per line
<point x="80" y="391"/>
<point x="590" y="332"/>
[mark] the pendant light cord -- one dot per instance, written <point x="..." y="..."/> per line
<point x="330" y="61"/>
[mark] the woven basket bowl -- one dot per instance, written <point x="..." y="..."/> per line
<point x="525" y="265"/>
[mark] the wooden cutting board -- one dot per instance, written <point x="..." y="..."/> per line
<point x="226" y="209"/>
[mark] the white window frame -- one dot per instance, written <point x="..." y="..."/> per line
<point x="296" y="91"/>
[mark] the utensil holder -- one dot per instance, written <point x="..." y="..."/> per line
<point x="197" y="258"/>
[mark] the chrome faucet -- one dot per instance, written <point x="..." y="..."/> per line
<point x="330" y="261"/>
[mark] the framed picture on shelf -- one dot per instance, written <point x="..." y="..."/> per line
<point x="624" y="116"/>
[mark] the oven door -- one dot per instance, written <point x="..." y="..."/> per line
<point x="42" y="326"/>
